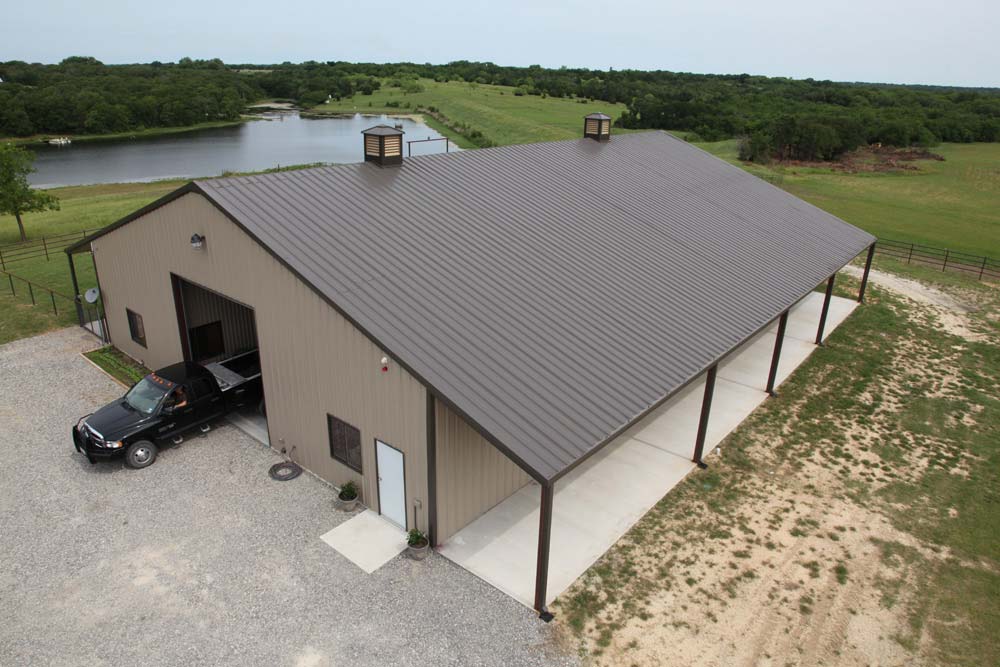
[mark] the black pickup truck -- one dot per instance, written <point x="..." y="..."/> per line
<point x="164" y="405"/>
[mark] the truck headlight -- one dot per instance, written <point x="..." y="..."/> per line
<point x="113" y="444"/>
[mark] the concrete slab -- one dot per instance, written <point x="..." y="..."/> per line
<point x="367" y="540"/>
<point x="605" y="496"/>
<point x="251" y="423"/>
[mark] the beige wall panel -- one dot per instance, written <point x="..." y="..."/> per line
<point x="314" y="361"/>
<point x="472" y="475"/>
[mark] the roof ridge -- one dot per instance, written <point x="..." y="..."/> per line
<point x="422" y="158"/>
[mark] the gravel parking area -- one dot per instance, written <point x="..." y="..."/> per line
<point x="202" y="558"/>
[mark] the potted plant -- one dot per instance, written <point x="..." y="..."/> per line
<point x="417" y="544"/>
<point x="348" y="496"/>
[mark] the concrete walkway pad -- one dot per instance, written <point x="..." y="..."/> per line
<point x="367" y="540"/>
<point x="603" y="497"/>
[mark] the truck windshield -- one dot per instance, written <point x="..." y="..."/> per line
<point x="146" y="395"/>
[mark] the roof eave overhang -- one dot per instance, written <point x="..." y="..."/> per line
<point x="652" y="408"/>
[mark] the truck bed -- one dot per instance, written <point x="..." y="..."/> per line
<point x="236" y="370"/>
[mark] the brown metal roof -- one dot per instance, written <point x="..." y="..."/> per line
<point x="551" y="293"/>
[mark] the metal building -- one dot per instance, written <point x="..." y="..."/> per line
<point x="493" y="317"/>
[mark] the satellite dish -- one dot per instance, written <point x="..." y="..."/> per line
<point x="91" y="295"/>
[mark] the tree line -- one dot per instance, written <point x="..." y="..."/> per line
<point x="774" y="117"/>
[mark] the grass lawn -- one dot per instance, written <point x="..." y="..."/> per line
<point x="87" y="207"/>
<point x="501" y="116"/>
<point x="952" y="204"/>
<point x="850" y="521"/>
<point x="84" y="207"/>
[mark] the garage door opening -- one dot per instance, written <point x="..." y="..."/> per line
<point x="221" y="333"/>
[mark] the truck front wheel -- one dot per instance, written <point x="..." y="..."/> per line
<point x="141" y="454"/>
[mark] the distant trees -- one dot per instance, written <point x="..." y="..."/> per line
<point x="16" y="196"/>
<point x="82" y="95"/>
<point x="778" y="117"/>
<point x="310" y="83"/>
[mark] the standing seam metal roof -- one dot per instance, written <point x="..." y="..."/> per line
<point x="551" y="292"/>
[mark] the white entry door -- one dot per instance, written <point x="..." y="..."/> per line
<point x="391" y="483"/>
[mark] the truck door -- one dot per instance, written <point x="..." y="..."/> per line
<point x="208" y="402"/>
<point x="182" y="413"/>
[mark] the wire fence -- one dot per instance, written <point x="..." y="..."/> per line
<point x="89" y="316"/>
<point x="983" y="268"/>
<point x="48" y="247"/>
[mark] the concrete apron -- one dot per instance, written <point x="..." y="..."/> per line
<point x="605" y="496"/>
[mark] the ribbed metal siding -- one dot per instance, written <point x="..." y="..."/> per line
<point x="204" y="307"/>
<point x="472" y="475"/>
<point x="552" y="292"/>
<point x="314" y="361"/>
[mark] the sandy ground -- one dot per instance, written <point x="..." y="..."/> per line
<point x="798" y="571"/>
<point x="949" y="310"/>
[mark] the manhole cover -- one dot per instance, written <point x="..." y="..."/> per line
<point x="284" y="471"/>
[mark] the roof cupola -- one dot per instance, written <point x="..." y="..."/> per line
<point x="597" y="126"/>
<point x="383" y="145"/>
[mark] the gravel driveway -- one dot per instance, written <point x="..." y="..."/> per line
<point x="201" y="558"/>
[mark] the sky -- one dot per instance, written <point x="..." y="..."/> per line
<point x="893" y="41"/>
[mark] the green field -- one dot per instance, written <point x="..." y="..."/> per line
<point x="495" y="111"/>
<point x="951" y="204"/>
<point x="87" y="207"/>
<point x="81" y="208"/>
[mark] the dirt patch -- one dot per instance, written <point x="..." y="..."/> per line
<point x="875" y="158"/>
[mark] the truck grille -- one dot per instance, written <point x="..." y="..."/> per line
<point x="96" y="438"/>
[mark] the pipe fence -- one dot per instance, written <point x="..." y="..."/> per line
<point x="49" y="247"/>
<point x="89" y="316"/>
<point x="983" y="268"/>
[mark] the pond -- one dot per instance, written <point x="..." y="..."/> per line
<point x="278" y="139"/>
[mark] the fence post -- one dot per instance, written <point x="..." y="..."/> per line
<point x="54" y="309"/>
<point x="11" y="279"/>
<point x="31" y="292"/>
<point x="982" y="268"/>
<point x="910" y="256"/>
<point x="45" y="247"/>
<point x="3" y="265"/>
<point x="945" y="265"/>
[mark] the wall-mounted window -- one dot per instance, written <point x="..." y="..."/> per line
<point x="135" y="327"/>
<point x="345" y="443"/>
